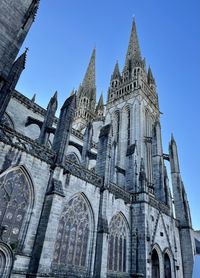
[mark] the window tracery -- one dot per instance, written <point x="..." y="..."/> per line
<point x="15" y="201"/>
<point x="73" y="236"/>
<point x="117" y="244"/>
<point x="73" y="157"/>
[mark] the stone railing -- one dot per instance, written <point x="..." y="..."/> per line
<point x="23" y="143"/>
<point x="82" y="173"/>
<point x="119" y="192"/>
<point x="158" y="205"/>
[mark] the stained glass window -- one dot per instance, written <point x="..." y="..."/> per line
<point x="14" y="204"/>
<point x="73" y="236"/>
<point x="117" y="244"/>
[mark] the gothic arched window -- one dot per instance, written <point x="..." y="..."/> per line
<point x="74" y="234"/>
<point x="117" y="244"/>
<point x="15" y="203"/>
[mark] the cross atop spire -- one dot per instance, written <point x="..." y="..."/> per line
<point x="89" y="79"/>
<point x="133" y="52"/>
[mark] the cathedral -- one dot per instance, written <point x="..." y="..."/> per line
<point x="88" y="194"/>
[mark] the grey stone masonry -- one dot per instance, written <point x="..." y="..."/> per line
<point x="63" y="130"/>
<point x="16" y="19"/>
<point x="9" y="86"/>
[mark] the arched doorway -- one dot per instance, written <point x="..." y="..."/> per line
<point x="155" y="265"/>
<point x="167" y="266"/>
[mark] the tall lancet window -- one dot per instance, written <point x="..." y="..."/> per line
<point x="117" y="244"/>
<point x="16" y="195"/>
<point x="74" y="235"/>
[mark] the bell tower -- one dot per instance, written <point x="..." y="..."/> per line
<point x="133" y="109"/>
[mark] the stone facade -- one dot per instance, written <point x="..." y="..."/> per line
<point x="88" y="195"/>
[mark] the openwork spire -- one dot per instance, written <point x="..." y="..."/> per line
<point x="90" y="77"/>
<point x="133" y="52"/>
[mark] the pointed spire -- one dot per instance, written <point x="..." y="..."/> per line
<point x="48" y="120"/>
<point x="89" y="79"/>
<point x="13" y="77"/>
<point x="150" y="77"/>
<point x="33" y="98"/>
<point x="133" y="52"/>
<point x="63" y="130"/>
<point x="173" y="154"/>
<point x="100" y="107"/>
<point x="70" y="101"/>
<point x="53" y="101"/>
<point x="21" y="61"/>
<point x="116" y="72"/>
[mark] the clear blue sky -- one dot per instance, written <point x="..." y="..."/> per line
<point x="65" y="32"/>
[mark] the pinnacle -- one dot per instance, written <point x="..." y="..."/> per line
<point x="150" y="77"/>
<point x="172" y="137"/>
<point x="116" y="72"/>
<point x="53" y="100"/>
<point x="70" y="101"/>
<point x="33" y="98"/>
<point x="55" y="95"/>
<point x="133" y="51"/>
<point x="100" y="103"/>
<point x="21" y="60"/>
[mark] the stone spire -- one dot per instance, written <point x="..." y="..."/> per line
<point x="9" y="86"/>
<point x="174" y="160"/>
<point x="89" y="81"/>
<point x="86" y="97"/>
<point x="133" y="52"/>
